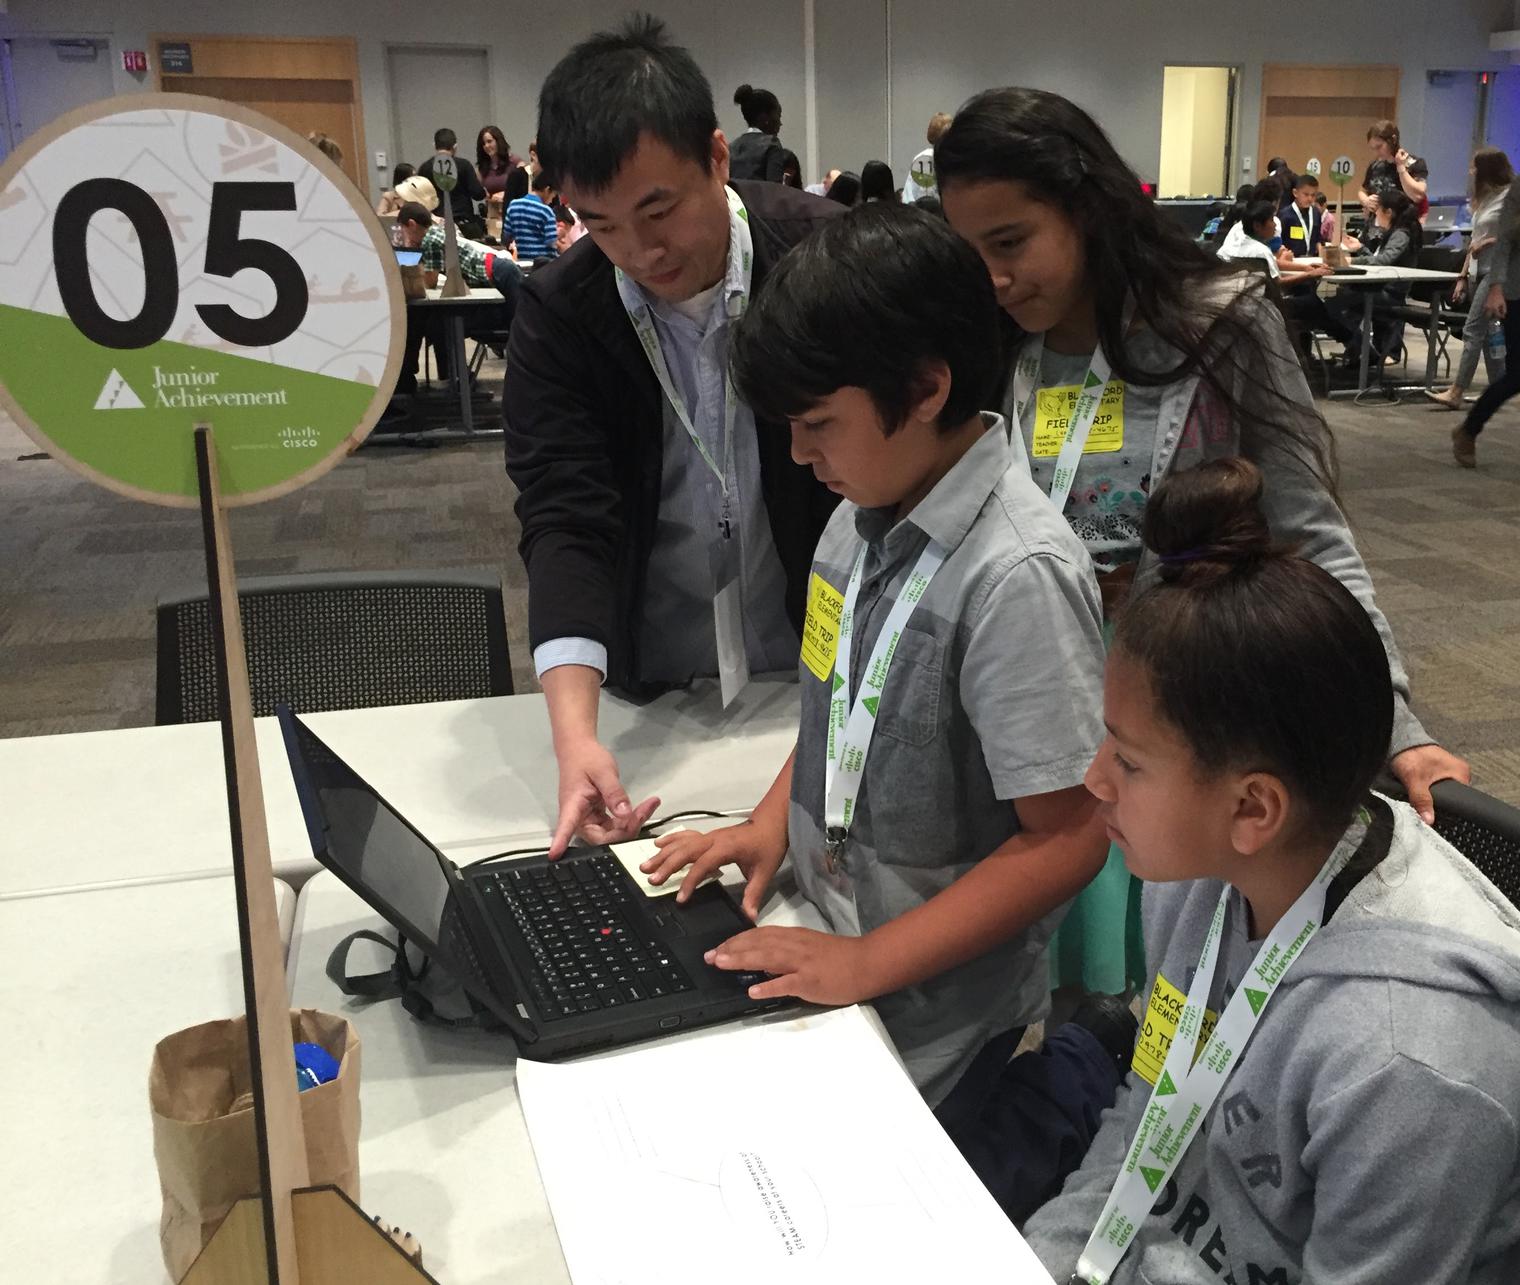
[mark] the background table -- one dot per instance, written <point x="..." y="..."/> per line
<point x="443" y="1149"/>
<point x="1374" y="277"/>
<point x="454" y="311"/>
<point x="98" y="809"/>
<point x="93" y="981"/>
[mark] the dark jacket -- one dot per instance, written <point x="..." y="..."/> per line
<point x="466" y="191"/>
<point x="1288" y="217"/>
<point x="584" y="419"/>
<point x="754" y="155"/>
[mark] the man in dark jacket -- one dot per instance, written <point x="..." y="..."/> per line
<point x="1300" y="217"/>
<point x="663" y="528"/>
<point x="467" y="186"/>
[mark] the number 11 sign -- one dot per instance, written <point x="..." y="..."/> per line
<point x="170" y="260"/>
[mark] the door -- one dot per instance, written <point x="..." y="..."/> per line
<point x="436" y="87"/>
<point x="1197" y="121"/>
<point x="46" y="78"/>
<point x="1324" y="112"/>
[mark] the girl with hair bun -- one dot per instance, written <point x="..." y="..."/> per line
<point x="1356" y="981"/>
<point x="1102" y="291"/>
<point x="757" y="153"/>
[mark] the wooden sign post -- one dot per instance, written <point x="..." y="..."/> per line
<point x="1341" y="170"/>
<point x="283" y="325"/>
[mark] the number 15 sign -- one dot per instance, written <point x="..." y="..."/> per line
<point x="171" y="260"/>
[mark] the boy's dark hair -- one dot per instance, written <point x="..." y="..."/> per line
<point x="1262" y="660"/>
<point x="516" y="185"/>
<point x="541" y="181"/>
<point x="1321" y="199"/>
<point x="445" y="139"/>
<point x="867" y="301"/>
<point x="1305" y="180"/>
<point x="611" y="89"/>
<point x="1257" y="213"/>
<point x="414" y="212"/>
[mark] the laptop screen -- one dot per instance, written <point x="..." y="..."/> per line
<point x="357" y="833"/>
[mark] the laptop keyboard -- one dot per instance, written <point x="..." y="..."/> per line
<point x="588" y="951"/>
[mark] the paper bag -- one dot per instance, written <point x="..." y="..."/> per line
<point x="413" y="283"/>
<point x="203" y="1140"/>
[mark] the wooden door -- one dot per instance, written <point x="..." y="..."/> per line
<point x="1323" y="112"/>
<point x="305" y="85"/>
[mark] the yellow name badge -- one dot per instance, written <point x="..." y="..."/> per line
<point x="1160" y="1024"/>
<point x="1295" y="231"/>
<point x="1052" y="416"/>
<point x="820" y="627"/>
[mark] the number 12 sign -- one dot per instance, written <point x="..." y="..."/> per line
<point x="172" y="260"/>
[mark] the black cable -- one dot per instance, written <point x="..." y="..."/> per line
<point x="646" y="832"/>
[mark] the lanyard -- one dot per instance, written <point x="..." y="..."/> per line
<point x="736" y="289"/>
<point x="1186" y="1089"/>
<point x="1303" y="218"/>
<point x="1026" y="378"/>
<point x="851" y="727"/>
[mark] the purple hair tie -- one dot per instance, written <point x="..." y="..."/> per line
<point x="1187" y="555"/>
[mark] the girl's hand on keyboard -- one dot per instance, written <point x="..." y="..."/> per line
<point x="757" y="852"/>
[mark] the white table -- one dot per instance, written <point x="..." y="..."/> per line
<point x="443" y="1150"/>
<point x="1375" y="276"/>
<point x="140" y="805"/>
<point x="93" y="981"/>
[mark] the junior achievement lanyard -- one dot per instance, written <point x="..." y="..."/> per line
<point x="1026" y="378"/>
<point x="1186" y="1090"/>
<point x="736" y="287"/>
<point x="851" y="728"/>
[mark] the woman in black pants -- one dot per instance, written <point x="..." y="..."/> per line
<point x="1502" y="301"/>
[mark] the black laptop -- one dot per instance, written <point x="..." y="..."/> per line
<point x="570" y="955"/>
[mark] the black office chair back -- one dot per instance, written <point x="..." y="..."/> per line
<point x="1437" y="259"/>
<point x="1482" y="828"/>
<point x="341" y="641"/>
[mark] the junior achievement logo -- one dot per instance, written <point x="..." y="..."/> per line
<point x="181" y="389"/>
<point x="178" y="389"/>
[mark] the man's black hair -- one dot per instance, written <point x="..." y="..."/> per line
<point x="611" y="89"/>
<point x="868" y="301"/>
<point x="1305" y="179"/>
<point x="541" y="181"/>
<point x="445" y="140"/>
<point x="414" y="212"/>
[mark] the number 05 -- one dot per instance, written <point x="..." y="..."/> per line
<point x="227" y="254"/>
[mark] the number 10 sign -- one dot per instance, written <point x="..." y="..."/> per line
<point x="171" y="260"/>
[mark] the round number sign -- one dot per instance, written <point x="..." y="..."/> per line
<point x="1312" y="166"/>
<point x="171" y="261"/>
<point x="1341" y="169"/>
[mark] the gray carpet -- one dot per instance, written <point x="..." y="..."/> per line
<point x="81" y="570"/>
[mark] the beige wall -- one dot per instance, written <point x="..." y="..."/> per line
<point x="1194" y="114"/>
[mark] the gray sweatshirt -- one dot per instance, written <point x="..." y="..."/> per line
<point x="1369" y="1132"/>
<point x="1504" y="270"/>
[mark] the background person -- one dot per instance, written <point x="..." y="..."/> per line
<point x="467" y="188"/>
<point x="877" y="183"/>
<point x="625" y="529"/>
<point x="1499" y="300"/>
<point x="492" y="163"/>
<point x="757" y="153"/>
<point x="1392" y="169"/>
<point x="920" y="181"/>
<point x="391" y="200"/>
<point x="1490" y="176"/>
<point x="531" y="223"/>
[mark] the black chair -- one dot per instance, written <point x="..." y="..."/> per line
<point x="1482" y="828"/>
<point x="1438" y="259"/>
<point x="341" y="641"/>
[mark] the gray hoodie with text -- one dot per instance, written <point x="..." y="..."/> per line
<point x="1369" y="1132"/>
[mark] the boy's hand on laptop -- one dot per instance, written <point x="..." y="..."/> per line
<point x="753" y="848"/>
<point x="818" y="967"/>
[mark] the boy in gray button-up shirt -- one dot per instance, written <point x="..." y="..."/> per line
<point x="969" y="827"/>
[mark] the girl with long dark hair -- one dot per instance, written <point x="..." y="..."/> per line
<point x="1491" y="175"/>
<point x="1135" y="353"/>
